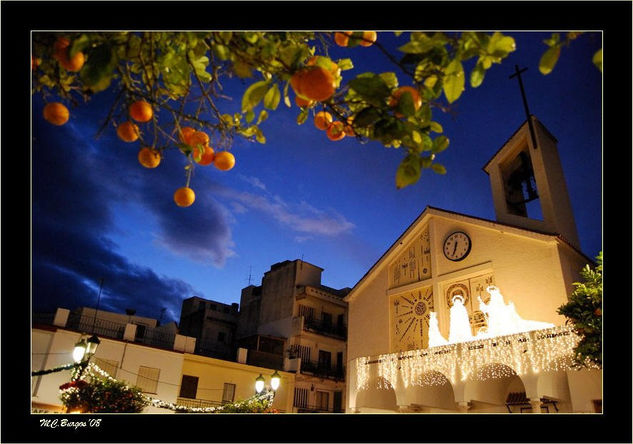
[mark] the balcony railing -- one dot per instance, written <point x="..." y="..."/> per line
<point x="325" y="328"/>
<point x="309" y="408"/>
<point x="101" y="327"/>
<point x="322" y="370"/>
<point x="197" y="403"/>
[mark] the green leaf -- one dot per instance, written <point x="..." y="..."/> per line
<point x="303" y="115"/>
<point x="440" y="144"/>
<point x="97" y="72"/>
<point x="477" y="75"/>
<point x="272" y="97"/>
<point x="345" y="64"/>
<point x="597" y="59"/>
<point x="249" y="116"/>
<point x="500" y="45"/>
<point x="408" y="171"/>
<point x="79" y="44"/>
<point x="371" y="88"/>
<point x="254" y="94"/>
<point x="436" y="127"/>
<point x="263" y="115"/>
<point x="438" y="168"/>
<point x="405" y="104"/>
<point x="420" y="45"/>
<point x="221" y="52"/>
<point x="200" y="66"/>
<point x="427" y="142"/>
<point x="554" y="40"/>
<point x="454" y="81"/>
<point x="548" y="60"/>
<point x="366" y="117"/>
<point x="390" y="79"/>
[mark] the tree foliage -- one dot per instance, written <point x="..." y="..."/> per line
<point x="101" y="395"/>
<point x="181" y="74"/>
<point x="584" y="312"/>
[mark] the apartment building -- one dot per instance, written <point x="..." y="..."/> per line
<point x="292" y="307"/>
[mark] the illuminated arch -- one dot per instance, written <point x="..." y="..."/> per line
<point x="377" y="397"/>
<point x="432" y="390"/>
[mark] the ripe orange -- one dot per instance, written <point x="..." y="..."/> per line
<point x="56" y="113"/>
<point x="336" y="131"/>
<point x="128" y="132"/>
<point x="415" y="95"/>
<point x="323" y="120"/>
<point x="369" y="37"/>
<point x="313" y="83"/>
<point x="185" y="134"/>
<point x="198" y="138"/>
<point x="149" y="158"/>
<point x="302" y="103"/>
<point x="342" y="38"/>
<point x="184" y="197"/>
<point x="224" y="161"/>
<point x="74" y="63"/>
<point x="141" y="111"/>
<point x="208" y="155"/>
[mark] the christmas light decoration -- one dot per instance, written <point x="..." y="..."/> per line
<point x="534" y="352"/>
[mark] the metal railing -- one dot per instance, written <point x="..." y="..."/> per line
<point x="43" y="318"/>
<point x="100" y="327"/>
<point x="325" y="328"/>
<point x="322" y="370"/>
<point x="310" y="408"/>
<point x="157" y="338"/>
<point x="197" y="403"/>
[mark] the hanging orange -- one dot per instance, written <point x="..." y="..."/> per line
<point x="149" y="158"/>
<point x="184" y="197"/>
<point x="323" y="120"/>
<point x="369" y="37"/>
<point x="313" y="83"/>
<point x="207" y="157"/>
<point x="127" y="132"/>
<point x="141" y="111"/>
<point x="56" y="113"/>
<point x="336" y="131"/>
<point x="224" y="161"/>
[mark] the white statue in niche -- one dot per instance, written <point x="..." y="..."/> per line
<point x="435" y="337"/>
<point x="459" y="322"/>
<point x="502" y="320"/>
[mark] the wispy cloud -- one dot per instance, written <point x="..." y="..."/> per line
<point x="254" y="181"/>
<point x="299" y="217"/>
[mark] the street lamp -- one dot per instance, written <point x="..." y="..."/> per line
<point x="275" y="379"/>
<point x="79" y="351"/>
<point x="259" y="383"/>
<point x="93" y="343"/>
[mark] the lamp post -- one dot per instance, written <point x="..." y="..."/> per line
<point x="84" y="350"/>
<point x="260" y="382"/>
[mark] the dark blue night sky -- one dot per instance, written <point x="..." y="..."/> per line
<point x="98" y="214"/>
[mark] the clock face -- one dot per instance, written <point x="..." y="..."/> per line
<point x="457" y="246"/>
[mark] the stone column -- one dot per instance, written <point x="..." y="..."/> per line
<point x="536" y="405"/>
<point x="463" y="406"/>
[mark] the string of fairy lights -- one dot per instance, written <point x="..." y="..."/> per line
<point x="534" y="352"/>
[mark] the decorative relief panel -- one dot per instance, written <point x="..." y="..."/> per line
<point x="414" y="264"/>
<point x="471" y="290"/>
<point x="410" y="313"/>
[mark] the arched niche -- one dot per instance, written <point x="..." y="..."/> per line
<point x="431" y="392"/>
<point x="377" y="397"/>
<point x="488" y="389"/>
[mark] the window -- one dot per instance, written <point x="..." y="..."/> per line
<point x="221" y="336"/>
<point x="322" y="400"/>
<point x="188" y="387"/>
<point x="301" y="351"/>
<point x="213" y="307"/>
<point x="326" y="318"/>
<point x="147" y="379"/>
<point x="227" y="310"/>
<point x="306" y="312"/>
<point x="229" y="393"/>
<point x="107" y="365"/>
<point x="301" y="397"/>
<point x="325" y="359"/>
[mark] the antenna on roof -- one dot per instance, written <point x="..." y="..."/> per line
<point x="162" y="312"/>
<point x="250" y="269"/>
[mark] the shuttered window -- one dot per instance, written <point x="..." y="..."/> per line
<point x="301" y="397"/>
<point x="147" y="379"/>
<point x="229" y="393"/>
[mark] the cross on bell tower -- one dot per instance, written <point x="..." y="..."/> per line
<point x="526" y="176"/>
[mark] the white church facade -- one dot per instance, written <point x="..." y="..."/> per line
<point x="459" y="315"/>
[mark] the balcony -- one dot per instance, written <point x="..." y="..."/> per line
<point x="197" y="403"/>
<point x="323" y="370"/>
<point x="325" y="328"/>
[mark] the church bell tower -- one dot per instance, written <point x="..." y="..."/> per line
<point x="528" y="185"/>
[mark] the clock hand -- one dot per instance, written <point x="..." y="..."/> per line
<point x="455" y="248"/>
